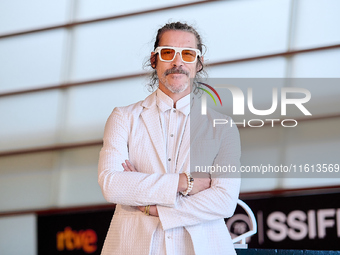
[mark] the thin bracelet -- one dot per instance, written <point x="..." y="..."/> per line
<point x="147" y="210"/>
<point x="190" y="184"/>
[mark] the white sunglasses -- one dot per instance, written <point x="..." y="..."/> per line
<point x="168" y="54"/>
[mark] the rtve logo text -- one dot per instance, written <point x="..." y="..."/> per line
<point x="238" y="105"/>
<point x="70" y="240"/>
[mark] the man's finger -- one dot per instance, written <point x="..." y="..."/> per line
<point x="126" y="169"/>
<point x="131" y="167"/>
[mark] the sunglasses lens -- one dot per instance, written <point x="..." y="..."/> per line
<point x="167" y="54"/>
<point x="189" y="55"/>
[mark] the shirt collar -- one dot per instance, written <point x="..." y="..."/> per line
<point x="164" y="102"/>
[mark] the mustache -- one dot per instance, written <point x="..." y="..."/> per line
<point x="176" y="70"/>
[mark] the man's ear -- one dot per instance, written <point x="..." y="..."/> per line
<point x="200" y="64"/>
<point x="153" y="60"/>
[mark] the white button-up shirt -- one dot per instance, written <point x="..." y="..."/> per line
<point x="173" y="121"/>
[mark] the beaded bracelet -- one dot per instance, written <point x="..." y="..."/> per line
<point x="190" y="184"/>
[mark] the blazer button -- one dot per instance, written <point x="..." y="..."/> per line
<point x="169" y="159"/>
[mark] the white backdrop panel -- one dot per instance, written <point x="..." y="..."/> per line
<point x="18" y="15"/>
<point x="321" y="64"/>
<point x="121" y="46"/>
<point x="78" y="180"/>
<point x="18" y="235"/>
<point x="258" y="184"/>
<point x="91" y="9"/>
<point x="316" y="142"/>
<point x="31" y="60"/>
<point x="317" y="23"/>
<point x="29" y="190"/>
<point x="260" y="146"/>
<point x="27" y="181"/>
<point x="262" y="68"/>
<point x="90" y="106"/>
<point x="29" y="120"/>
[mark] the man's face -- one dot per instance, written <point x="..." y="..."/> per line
<point x="178" y="81"/>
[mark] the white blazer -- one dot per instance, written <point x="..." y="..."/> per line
<point x="134" y="132"/>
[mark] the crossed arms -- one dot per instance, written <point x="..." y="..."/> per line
<point x="201" y="184"/>
<point x="210" y="200"/>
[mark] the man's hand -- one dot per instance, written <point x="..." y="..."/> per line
<point x="153" y="210"/>
<point x="128" y="167"/>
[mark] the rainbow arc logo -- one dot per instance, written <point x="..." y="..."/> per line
<point x="209" y="93"/>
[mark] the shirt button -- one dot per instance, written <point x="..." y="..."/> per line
<point x="169" y="159"/>
<point x="169" y="237"/>
<point x="174" y="110"/>
<point x="171" y="135"/>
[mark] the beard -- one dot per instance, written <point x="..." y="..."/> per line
<point x="175" y="86"/>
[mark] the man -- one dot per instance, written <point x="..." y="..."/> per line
<point x="144" y="164"/>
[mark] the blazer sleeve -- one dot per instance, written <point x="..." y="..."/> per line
<point x="130" y="188"/>
<point x="217" y="202"/>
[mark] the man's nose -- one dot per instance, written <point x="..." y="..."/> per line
<point x="177" y="60"/>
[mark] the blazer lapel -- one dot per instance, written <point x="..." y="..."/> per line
<point x="184" y="149"/>
<point x="152" y="122"/>
<point x="191" y="133"/>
